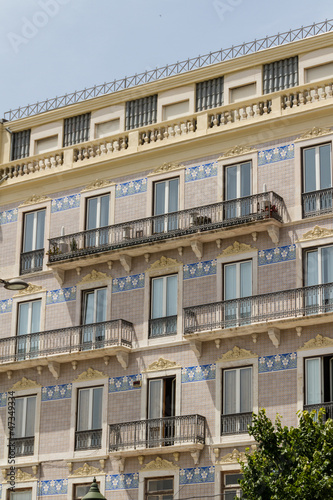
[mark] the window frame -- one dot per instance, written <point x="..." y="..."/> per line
<point x="146" y="475"/>
<point x="317" y="165"/>
<point x="89" y="411"/>
<point x="231" y="487"/>
<point x="27" y="138"/>
<point x="158" y="493"/>
<point x="238" y="381"/>
<point x="84" y="294"/>
<point x="322" y="378"/>
<point x="8" y="496"/>
<point x="86" y="119"/>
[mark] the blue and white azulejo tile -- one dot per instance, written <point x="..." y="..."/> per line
<point x="60" y="295"/>
<point x="3" y="399"/>
<point x="199" y="172"/>
<point x="128" y="283"/>
<point x="65" y="203"/>
<point x="55" y="392"/>
<point x="278" y="153"/>
<point x="197" y="475"/>
<point x="8" y="216"/>
<point x="276" y="255"/>
<point x="198" y="373"/>
<point x="53" y="487"/>
<point x="131" y="187"/>
<point x="199" y="269"/>
<point x="122" y="482"/>
<point x="277" y="362"/>
<point x="6" y="306"/>
<point x="125" y="383"/>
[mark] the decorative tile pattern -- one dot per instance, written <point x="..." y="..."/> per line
<point x="60" y="295"/>
<point x="125" y="383"/>
<point x="197" y="475"/>
<point x="128" y="283"/>
<point x="276" y="255"/>
<point x="55" y="392"/>
<point x="53" y="487"/>
<point x="122" y="481"/>
<point x="280" y="153"/>
<point x="200" y="172"/>
<point x="132" y="187"/>
<point x="6" y="306"/>
<point x="0" y="491"/>
<point x="199" y="269"/>
<point x="3" y="399"/>
<point x="8" y="216"/>
<point x="65" y="203"/>
<point x="198" y="373"/>
<point x="278" y="362"/>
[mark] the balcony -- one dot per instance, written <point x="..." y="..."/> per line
<point x="240" y="216"/>
<point x="328" y="407"/>
<point x="66" y="344"/>
<point x="88" y="440"/>
<point x="168" y="434"/>
<point x="162" y="327"/>
<point x="23" y="446"/>
<point x="31" y="262"/>
<point x="259" y="313"/>
<point x="317" y="203"/>
<point x="235" y="423"/>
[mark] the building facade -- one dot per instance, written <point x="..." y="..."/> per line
<point x="177" y="238"/>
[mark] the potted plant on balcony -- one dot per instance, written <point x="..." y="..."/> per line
<point x="73" y="245"/>
<point x="54" y="250"/>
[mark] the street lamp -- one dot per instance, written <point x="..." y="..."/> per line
<point x="14" y="284"/>
<point x="94" y="493"/>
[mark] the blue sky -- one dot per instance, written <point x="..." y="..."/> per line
<point x="52" y="47"/>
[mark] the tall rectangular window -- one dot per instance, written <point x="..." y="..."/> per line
<point x="89" y="418"/>
<point x="237" y="400"/>
<point x="141" y="112"/>
<point x="25" y="411"/>
<point x="161" y="410"/>
<point x="94" y="313"/>
<point x="20" y="144"/>
<point x="209" y="94"/>
<point x="319" y="383"/>
<point x="20" y="494"/>
<point x="163" y="306"/>
<point x="166" y="196"/>
<point x="231" y="488"/>
<point x="317" y="179"/>
<point x="237" y="285"/>
<point x="33" y="242"/>
<point x="319" y="279"/>
<point x="238" y="184"/>
<point x="159" y="489"/>
<point x="97" y="216"/>
<point x="29" y="314"/>
<point x="280" y="75"/>
<point x="76" y="129"/>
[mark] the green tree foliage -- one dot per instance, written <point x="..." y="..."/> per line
<point x="293" y="463"/>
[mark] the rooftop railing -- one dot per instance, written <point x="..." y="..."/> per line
<point x="172" y="69"/>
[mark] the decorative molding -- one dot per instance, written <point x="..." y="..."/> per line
<point x="90" y="374"/>
<point x="200" y="172"/>
<point x="237" y="353"/>
<point x="164" y="263"/>
<point x="197" y="248"/>
<point x="123" y="359"/>
<point x="132" y="187"/>
<point x="97" y="184"/>
<point x="60" y="295"/>
<point x="25" y="383"/>
<point x="93" y="276"/>
<point x="56" y="392"/>
<point x="86" y="470"/>
<point x="34" y="199"/>
<point x="197" y="475"/>
<point x="318" y="341"/>
<point x="125" y="383"/>
<point x="160" y="464"/>
<point x="274" y="335"/>
<point x="313" y="133"/>
<point x="8" y="216"/>
<point x="315" y="233"/>
<point x="232" y="458"/>
<point x="22" y="477"/>
<point x="122" y="482"/>
<point x="167" y="167"/>
<point x="65" y="203"/>
<point x="279" y="153"/>
<point x="161" y="364"/>
<point x="3" y="400"/>
<point x="274" y="233"/>
<point x="277" y="362"/>
<point x="237" y="248"/>
<point x="6" y="306"/>
<point x="128" y="283"/>
<point x="30" y="290"/>
<point x="276" y="255"/>
<point x="199" y="269"/>
<point x="126" y="262"/>
<point x="237" y="151"/>
<point x="198" y="373"/>
<point x="53" y="487"/>
<point x="54" y="368"/>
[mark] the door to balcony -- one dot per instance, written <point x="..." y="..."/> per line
<point x="97" y="218"/>
<point x="33" y="242"/>
<point x="166" y="195"/>
<point x="319" y="271"/>
<point x="160" y="429"/>
<point x="317" y="179"/>
<point x="319" y="384"/>
<point x="27" y="345"/>
<point x="237" y="285"/>
<point x="94" y="316"/>
<point x="237" y="400"/>
<point x="237" y="186"/>
<point x="88" y="433"/>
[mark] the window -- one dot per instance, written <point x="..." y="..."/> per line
<point x="80" y="490"/>
<point x="231" y="488"/>
<point x="319" y="279"/>
<point x="319" y="383"/>
<point x="28" y="324"/>
<point x="280" y="75"/>
<point x="97" y="216"/>
<point x="237" y="292"/>
<point x="317" y="180"/>
<point x="237" y="400"/>
<point x="237" y="185"/>
<point x="141" y="112"/>
<point x="20" y="144"/>
<point x="166" y="194"/>
<point x="20" y="494"/>
<point x="25" y="410"/>
<point x="89" y="419"/>
<point x="161" y="410"/>
<point x="163" y="306"/>
<point x="209" y="94"/>
<point x="76" y="129"/>
<point x="159" y="489"/>
<point x="94" y="316"/>
<point x="33" y="242"/>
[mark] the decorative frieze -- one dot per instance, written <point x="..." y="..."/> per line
<point x="237" y="353"/>
<point x="8" y="216"/>
<point x="122" y="482"/>
<point x="236" y="249"/>
<point x="161" y="364"/>
<point x="232" y="458"/>
<point x="318" y="341"/>
<point x="132" y="187"/>
<point x="86" y="471"/>
<point x="200" y="172"/>
<point x="127" y="283"/>
<point x="197" y="475"/>
<point x="277" y="255"/>
<point x="21" y="476"/>
<point x="277" y="362"/>
<point x="3" y="400"/>
<point x="198" y="373"/>
<point x="65" y="203"/>
<point x="34" y="199"/>
<point x="164" y="263"/>
<point x="93" y="276"/>
<point x="316" y="233"/>
<point x="6" y="306"/>
<point x="56" y="392"/>
<point x="237" y="151"/>
<point x="30" y="290"/>
<point x="279" y="153"/>
<point x="313" y="133"/>
<point x="53" y="487"/>
<point x="160" y="464"/>
<point x="23" y="384"/>
<point x="90" y="374"/>
<point x="125" y="383"/>
<point x="60" y="295"/>
<point x="199" y="269"/>
<point x="167" y="167"/>
<point x="97" y="184"/>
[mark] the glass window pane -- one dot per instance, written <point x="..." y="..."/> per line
<point x="246" y="279"/>
<point x="35" y="316"/>
<point x="83" y="410"/>
<point x="231" y="184"/>
<point x="325" y="166"/>
<point x="309" y="170"/>
<point x="89" y="308"/>
<point x="40" y="229"/>
<point x="104" y="211"/>
<point x="19" y="420"/>
<point x="101" y="305"/>
<point x="230" y="287"/>
<point x="28" y="232"/>
<point x="245" y="179"/>
<point x="159" y="198"/>
<point x="157" y="298"/>
<point x="327" y="265"/>
<point x="173" y="195"/>
<point x="232" y="479"/>
<point x="155" y="397"/>
<point x="171" y="306"/>
<point x="311" y="268"/>
<point x="229" y="399"/>
<point x="20" y="495"/>
<point x="92" y="213"/>
<point x="23" y="327"/>
<point x="313" y="384"/>
<point x="30" y="417"/>
<point x="245" y="390"/>
<point x="97" y="408"/>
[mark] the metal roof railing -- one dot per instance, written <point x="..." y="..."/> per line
<point x="172" y="69"/>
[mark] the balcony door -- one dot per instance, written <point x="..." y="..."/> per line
<point x="28" y="325"/>
<point x="317" y="176"/>
<point x="237" y="291"/>
<point x="97" y="218"/>
<point x="237" y="186"/>
<point x="25" y="410"/>
<point x="237" y="400"/>
<point x="164" y="306"/>
<point x="89" y="419"/>
<point x="319" y="275"/>
<point x="161" y="409"/>
<point x="33" y="242"/>
<point x="166" y="196"/>
<point x="319" y="383"/>
<point x="94" y="316"/>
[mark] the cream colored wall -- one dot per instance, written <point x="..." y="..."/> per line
<point x="180" y="94"/>
<point x="106" y="114"/>
<point x="311" y="59"/>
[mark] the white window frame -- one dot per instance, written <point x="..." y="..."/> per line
<point x="319" y="253"/>
<point x="24" y="419"/>
<point x="29" y="485"/>
<point x="321" y="374"/>
<point x="34" y="228"/>
<point x="143" y="475"/>
<point x="238" y="277"/>
<point x="237" y="160"/>
<point x="234" y="259"/>
<point x="84" y="302"/>
<point x="237" y="370"/>
<point x="156" y="493"/>
<point x="154" y="178"/>
<point x="81" y="288"/>
<point x="238" y="182"/>
<point x="146" y="376"/>
<point x="94" y="193"/>
<point x="236" y="487"/>
<point x="317" y="164"/>
<point x="30" y="302"/>
<point x="90" y="404"/>
<point x="165" y="282"/>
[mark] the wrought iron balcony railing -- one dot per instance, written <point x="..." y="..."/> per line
<point x="253" y="208"/>
<point x="24" y="446"/>
<point x="317" y="202"/>
<point x="292" y="303"/>
<point x="162" y="327"/>
<point x="32" y="262"/>
<point x="235" y="423"/>
<point x="88" y="440"/>
<point x="328" y="407"/>
<point x="117" y="332"/>
<point x="167" y="431"/>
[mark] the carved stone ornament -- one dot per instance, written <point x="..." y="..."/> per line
<point x="31" y="289"/>
<point x="237" y="248"/>
<point x="161" y="364"/>
<point x="34" y="199"/>
<point x="167" y="167"/>
<point x="97" y="184"/>
<point x="163" y="263"/>
<point x="160" y="464"/>
<point x="21" y="476"/>
<point x="237" y="151"/>
<point x="233" y="457"/>
<point x="90" y="374"/>
<point x="318" y="341"/>
<point x="317" y="232"/>
<point x="86" y="470"/>
<point x="93" y="276"/>
<point x="25" y="383"/>
<point x="237" y="353"/>
<point x="313" y="133"/>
